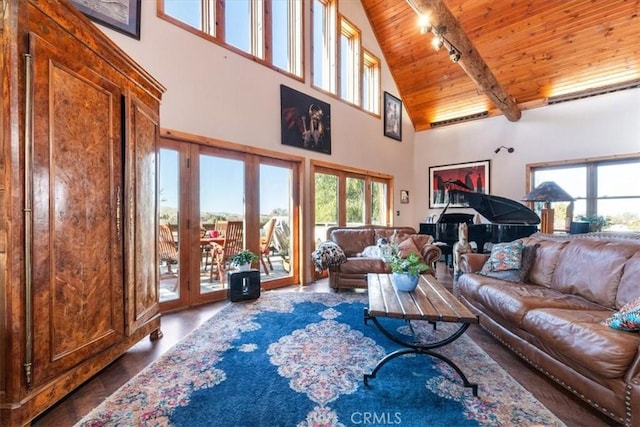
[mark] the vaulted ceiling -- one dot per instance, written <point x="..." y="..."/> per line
<point x="515" y="54"/>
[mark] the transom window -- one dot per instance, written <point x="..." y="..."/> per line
<point x="269" y="31"/>
<point x="340" y="65"/>
<point x="349" y="62"/>
<point x="609" y="188"/>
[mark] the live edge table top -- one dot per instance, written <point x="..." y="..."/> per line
<point x="430" y="301"/>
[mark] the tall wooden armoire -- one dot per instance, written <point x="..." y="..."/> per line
<point x="78" y="184"/>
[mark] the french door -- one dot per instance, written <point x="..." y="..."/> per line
<point x="207" y="195"/>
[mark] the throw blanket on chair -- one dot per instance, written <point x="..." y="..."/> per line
<point x="327" y="254"/>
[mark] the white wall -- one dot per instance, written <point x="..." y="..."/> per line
<point x="216" y="93"/>
<point x="603" y="125"/>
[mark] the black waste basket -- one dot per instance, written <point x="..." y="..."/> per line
<point x="244" y="285"/>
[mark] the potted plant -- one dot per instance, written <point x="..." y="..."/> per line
<point x="406" y="271"/>
<point x="596" y="222"/>
<point x="243" y="259"/>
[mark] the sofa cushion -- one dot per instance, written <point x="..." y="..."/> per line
<point x="359" y="265"/>
<point x="353" y="241"/>
<point x="592" y="269"/>
<point x="629" y="287"/>
<point x="546" y="260"/>
<point x="505" y="256"/>
<point x="512" y="301"/>
<point x="400" y="233"/>
<point x="577" y="335"/>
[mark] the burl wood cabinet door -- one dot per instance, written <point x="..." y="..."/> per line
<point x="77" y="247"/>
<point x="142" y="278"/>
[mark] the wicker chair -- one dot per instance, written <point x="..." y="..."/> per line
<point x="265" y="245"/>
<point x="222" y="254"/>
<point x="167" y="247"/>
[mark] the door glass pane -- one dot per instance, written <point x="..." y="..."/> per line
<point x="379" y="203"/>
<point x="355" y="201"/>
<point x="221" y="208"/>
<point x="168" y="207"/>
<point x="326" y="201"/>
<point x="275" y="221"/>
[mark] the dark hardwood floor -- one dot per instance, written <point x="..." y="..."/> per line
<point x="176" y="326"/>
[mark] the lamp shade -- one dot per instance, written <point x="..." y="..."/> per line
<point x="548" y="192"/>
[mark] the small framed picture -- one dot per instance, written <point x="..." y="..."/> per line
<point x="404" y="196"/>
<point x="392" y="117"/>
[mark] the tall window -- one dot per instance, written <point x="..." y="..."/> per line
<point x="286" y="42"/>
<point x="608" y="188"/>
<point x="349" y="197"/>
<point x="370" y="82"/>
<point x="349" y="62"/>
<point x="247" y="26"/>
<point x="324" y="44"/>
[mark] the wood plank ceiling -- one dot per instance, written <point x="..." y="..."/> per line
<point x="539" y="51"/>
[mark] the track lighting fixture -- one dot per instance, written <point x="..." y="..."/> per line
<point x="439" y="39"/>
<point x="509" y="149"/>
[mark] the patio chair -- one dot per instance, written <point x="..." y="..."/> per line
<point x="220" y="228"/>
<point x="222" y="254"/>
<point x="265" y="245"/>
<point x="167" y="248"/>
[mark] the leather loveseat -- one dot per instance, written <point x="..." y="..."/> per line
<point x="353" y="241"/>
<point x="553" y="318"/>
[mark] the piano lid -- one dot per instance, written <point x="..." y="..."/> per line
<point x="496" y="209"/>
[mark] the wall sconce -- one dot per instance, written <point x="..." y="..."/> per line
<point x="547" y="192"/>
<point x="509" y="149"/>
<point x="439" y="39"/>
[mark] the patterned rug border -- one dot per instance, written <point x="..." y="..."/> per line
<point x="490" y="378"/>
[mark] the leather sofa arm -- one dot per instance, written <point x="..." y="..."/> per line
<point x="472" y="262"/>
<point x="431" y="254"/>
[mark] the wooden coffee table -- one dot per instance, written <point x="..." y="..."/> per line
<point x="430" y="302"/>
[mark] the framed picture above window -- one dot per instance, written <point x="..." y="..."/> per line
<point x="472" y="176"/>
<point x="122" y="16"/>
<point x="392" y="117"/>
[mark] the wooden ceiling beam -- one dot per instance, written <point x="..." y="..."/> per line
<point x="470" y="61"/>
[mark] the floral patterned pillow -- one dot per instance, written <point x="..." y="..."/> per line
<point x="627" y="318"/>
<point x="505" y="256"/>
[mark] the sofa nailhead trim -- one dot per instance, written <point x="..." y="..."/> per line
<point x="626" y="422"/>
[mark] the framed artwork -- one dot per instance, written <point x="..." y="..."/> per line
<point x="404" y="196"/>
<point x="392" y="117"/>
<point x="120" y="15"/>
<point x="473" y="176"/>
<point x="305" y="121"/>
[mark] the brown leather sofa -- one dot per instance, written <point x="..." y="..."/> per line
<point x="553" y="319"/>
<point x="353" y="240"/>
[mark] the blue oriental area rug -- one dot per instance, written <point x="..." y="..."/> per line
<point x="298" y="359"/>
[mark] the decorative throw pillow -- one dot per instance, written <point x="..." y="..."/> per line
<point x="505" y="256"/>
<point x="407" y="247"/>
<point x="516" y="275"/>
<point x="627" y="318"/>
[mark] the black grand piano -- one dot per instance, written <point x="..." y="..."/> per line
<point x="510" y="220"/>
